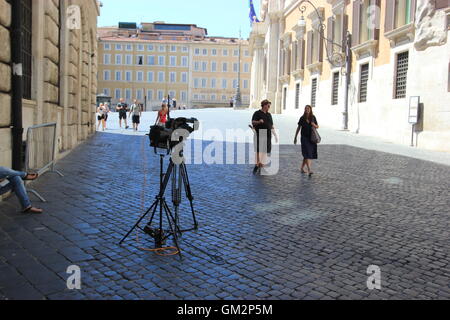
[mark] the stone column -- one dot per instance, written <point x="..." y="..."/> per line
<point x="257" y="71"/>
<point x="273" y="57"/>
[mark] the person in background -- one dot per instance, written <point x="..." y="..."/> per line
<point x="122" y="108"/>
<point x="262" y="123"/>
<point x="136" y="113"/>
<point x="99" y="116"/>
<point x="102" y="112"/>
<point x="309" y="148"/>
<point x="108" y="110"/>
<point x="174" y="103"/>
<point x="161" y="119"/>
<point x="11" y="180"/>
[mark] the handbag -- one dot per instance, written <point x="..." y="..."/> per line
<point x="315" y="136"/>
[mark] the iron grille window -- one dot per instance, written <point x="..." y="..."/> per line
<point x="401" y="75"/>
<point x="363" y="80"/>
<point x="284" y="98"/>
<point x="313" y="92"/>
<point x="26" y="47"/>
<point x="297" y="96"/>
<point x="335" y="89"/>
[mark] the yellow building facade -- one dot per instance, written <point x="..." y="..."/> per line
<point x="361" y="64"/>
<point x="159" y="60"/>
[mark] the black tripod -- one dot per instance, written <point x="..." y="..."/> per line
<point x="180" y="178"/>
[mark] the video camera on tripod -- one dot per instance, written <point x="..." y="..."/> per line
<point x="175" y="131"/>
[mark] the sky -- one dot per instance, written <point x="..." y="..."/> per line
<point x="221" y="17"/>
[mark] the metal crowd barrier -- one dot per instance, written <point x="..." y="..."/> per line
<point x="40" y="154"/>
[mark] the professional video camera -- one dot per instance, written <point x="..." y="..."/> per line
<point x="164" y="137"/>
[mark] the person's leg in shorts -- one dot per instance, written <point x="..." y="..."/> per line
<point x="136" y="121"/>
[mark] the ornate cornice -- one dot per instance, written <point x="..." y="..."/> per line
<point x="315" y="67"/>
<point x="298" y="74"/>
<point x="285" y="79"/>
<point x="367" y="48"/>
<point x="406" y="32"/>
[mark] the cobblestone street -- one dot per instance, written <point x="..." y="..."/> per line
<point x="274" y="237"/>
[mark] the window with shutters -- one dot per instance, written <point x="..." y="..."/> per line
<point x="366" y="25"/>
<point x="315" y="48"/>
<point x="118" y="59"/>
<point x="335" y="89"/>
<point x="300" y="55"/>
<point x="403" y="10"/>
<point x="140" y="76"/>
<point x="337" y="31"/>
<point x="128" y="94"/>
<point x="399" y="13"/>
<point x="151" y="60"/>
<point x="401" y="75"/>
<point x="297" y="96"/>
<point x="364" y="30"/>
<point x="313" y="92"/>
<point x="128" y="77"/>
<point x="363" y="81"/>
<point x="173" y="77"/>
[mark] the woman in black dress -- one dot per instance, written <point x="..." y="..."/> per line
<point x="309" y="148"/>
<point x="262" y="123"/>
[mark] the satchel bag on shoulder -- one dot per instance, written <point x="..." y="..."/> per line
<point x="315" y="136"/>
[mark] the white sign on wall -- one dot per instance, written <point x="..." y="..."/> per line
<point x="414" y="103"/>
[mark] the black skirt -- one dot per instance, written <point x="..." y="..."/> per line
<point x="309" y="149"/>
<point x="263" y="141"/>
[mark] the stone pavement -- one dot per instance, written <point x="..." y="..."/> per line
<point x="273" y="237"/>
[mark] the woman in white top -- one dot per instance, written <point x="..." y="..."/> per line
<point x="102" y="113"/>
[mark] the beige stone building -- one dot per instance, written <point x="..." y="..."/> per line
<point x="398" y="49"/>
<point x="59" y="67"/>
<point x="155" y="60"/>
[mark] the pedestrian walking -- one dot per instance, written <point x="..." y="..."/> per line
<point x="136" y="113"/>
<point x="108" y="110"/>
<point x="231" y="102"/>
<point x="262" y="123"/>
<point x="122" y="108"/>
<point x="174" y="103"/>
<point x="306" y="124"/>
<point x="11" y="180"/>
<point x="162" y="117"/>
<point x="102" y="113"/>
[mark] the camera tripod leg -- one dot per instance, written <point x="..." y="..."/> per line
<point x="172" y="230"/>
<point x="174" y="218"/>
<point x="154" y="207"/>
<point x="187" y="187"/>
<point x="176" y="194"/>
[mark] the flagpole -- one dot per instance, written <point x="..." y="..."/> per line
<point x="238" y="90"/>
